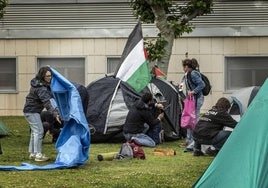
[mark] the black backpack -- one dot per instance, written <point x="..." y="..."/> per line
<point x="206" y="90"/>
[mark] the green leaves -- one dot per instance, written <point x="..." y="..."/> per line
<point x="142" y="10"/>
<point x="172" y="18"/>
<point x="3" y="4"/>
<point x="155" y="47"/>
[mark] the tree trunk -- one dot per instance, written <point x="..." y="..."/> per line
<point x="167" y="33"/>
<point x="164" y="62"/>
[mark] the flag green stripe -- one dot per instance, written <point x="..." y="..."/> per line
<point x="140" y="78"/>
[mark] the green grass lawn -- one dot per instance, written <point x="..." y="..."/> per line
<point x="181" y="170"/>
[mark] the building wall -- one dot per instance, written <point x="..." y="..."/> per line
<point x="210" y="53"/>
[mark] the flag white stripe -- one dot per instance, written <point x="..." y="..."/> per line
<point x="132" y="62"/>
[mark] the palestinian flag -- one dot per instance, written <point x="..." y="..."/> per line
<point x="134" y="62"/>
<point x="159" y="73"/>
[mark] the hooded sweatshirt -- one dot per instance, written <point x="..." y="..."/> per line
<point x="139" y="114"/>
<point x="211" y="123"/>
<point x="38" y="98"/>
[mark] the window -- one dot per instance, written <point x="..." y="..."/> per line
<point x="71" y="68"/>
<point x="8" y="75"/>
<point x="245" y="72"/>
<point x="112" y="63"/>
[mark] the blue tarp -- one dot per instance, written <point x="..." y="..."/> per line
<point x="74" y="140"/>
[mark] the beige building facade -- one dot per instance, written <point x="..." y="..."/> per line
<point x="210" y="52"/>
<point x="220" y="57"/>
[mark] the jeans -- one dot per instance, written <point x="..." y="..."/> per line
<point x="37" y="132"/>
<point x="199" y="104"/>
<point x="154" y="133"/>
<point x="217" y="141"/>
<point x="141" y="138"/>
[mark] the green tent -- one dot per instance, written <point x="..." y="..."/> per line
<point x="243" y="160"/>
<point x="3" y="129"/>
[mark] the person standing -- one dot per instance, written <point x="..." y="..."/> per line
<point x="37" y="100"/>
<point x="141" y="125"/>
<point x="193" y="83"/>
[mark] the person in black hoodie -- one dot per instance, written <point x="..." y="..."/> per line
<point x="38" y="99"/>
<point x="140" y="116"/>
<point x="209" y="129"/>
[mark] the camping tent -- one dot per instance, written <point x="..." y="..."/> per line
<point x="166" y="93"/>
<point x="109" y="101"/>
<point x="3" y="129"/>
<point x="242" y="161"/>
<point x="241" y="99"/>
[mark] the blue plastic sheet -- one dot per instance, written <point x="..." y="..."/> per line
<point x="74" y="140"/>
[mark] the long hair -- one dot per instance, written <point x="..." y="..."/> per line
<point x="42" y="73"/>
<point x="223" y="104"/>
<point x="195" y="64"/>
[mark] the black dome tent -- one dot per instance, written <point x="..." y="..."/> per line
<point x="110" y="100"/>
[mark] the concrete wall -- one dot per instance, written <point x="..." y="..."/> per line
<point x="210" y="53"/>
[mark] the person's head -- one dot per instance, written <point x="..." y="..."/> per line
<point x="147" y="98"/>
<point x="223" y="104"/>
<point x="195" y="64"/>
<point x="187" y="65"/>
<point x="44" y="74"/>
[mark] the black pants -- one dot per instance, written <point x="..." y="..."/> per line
<point x="217" y="141"/>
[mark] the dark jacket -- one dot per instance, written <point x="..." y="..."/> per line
<point x="211" y="123"/>
<point x="138" y="115"/>
<point x="38" y="98"/>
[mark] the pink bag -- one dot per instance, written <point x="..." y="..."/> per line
<point x="188" y="117"/>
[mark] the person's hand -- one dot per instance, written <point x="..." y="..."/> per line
<point x="190" y="93"/>
<point x="58" y="119"/>
<point x="159" y="106"/>
<point x="160" y="116"/>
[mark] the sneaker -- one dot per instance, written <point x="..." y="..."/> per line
<point x="212" y="152"/>
<point x="41" y="157"/>
<point x="198" y="153"/>
<point x="32" y="156"/>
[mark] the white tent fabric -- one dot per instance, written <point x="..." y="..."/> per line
<point x="240" y="101"/>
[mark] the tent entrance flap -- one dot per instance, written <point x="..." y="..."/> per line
<point x="118" y="112"/>
<point x="158" y="95"/>
<point x="112" y="113"/>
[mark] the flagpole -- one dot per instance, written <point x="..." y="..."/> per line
<point x="122" y="56"/>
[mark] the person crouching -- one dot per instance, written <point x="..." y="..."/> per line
<point x="210" y="128"/>
<point x="140" y="122"/>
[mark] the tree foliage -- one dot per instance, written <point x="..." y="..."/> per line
<point x="3" y="4"/>
<point x="172" y="18"/>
